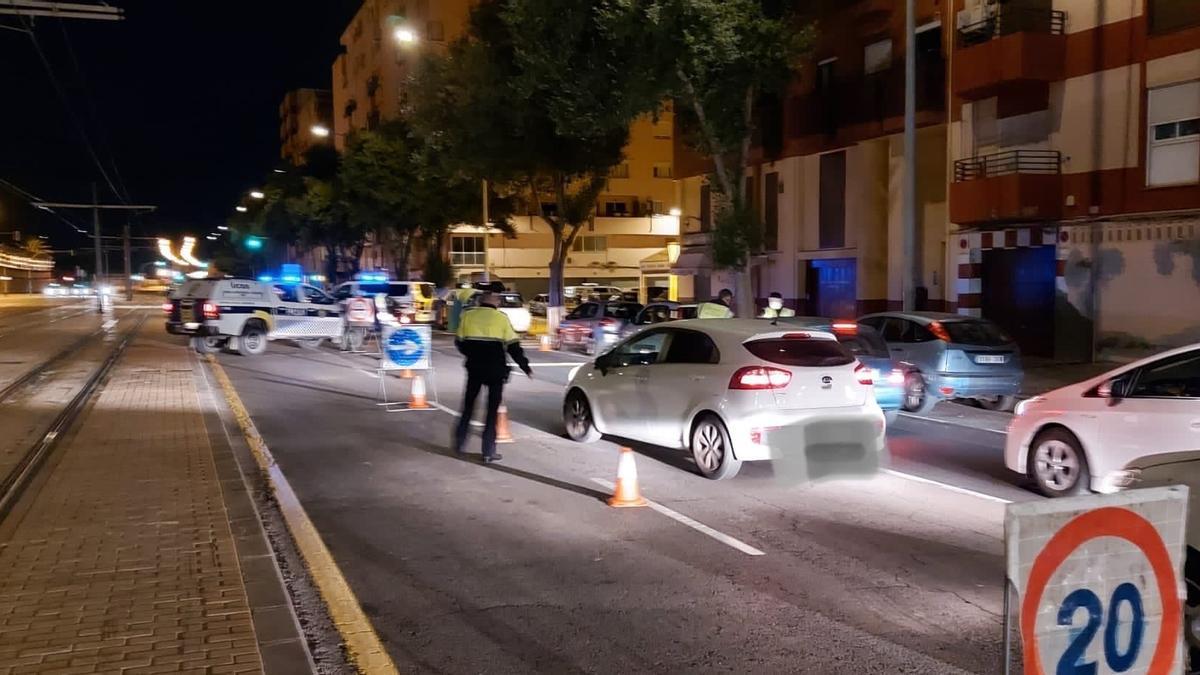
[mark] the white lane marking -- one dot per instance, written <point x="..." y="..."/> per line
<point x="952" y="423"/>
<point x="946" y="486"/>
<point x="108" y="325"/>
<point x="454" y="413"/>
<point x="368" y="373"/>
<point x="569" y="364"/>
<point x="694" y="524"/>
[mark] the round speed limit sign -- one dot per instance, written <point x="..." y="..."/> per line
<point x="1099" y="583"/>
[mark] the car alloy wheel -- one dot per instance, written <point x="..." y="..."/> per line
<point x="1056" y="465"/>
<point x="712" y="451"/>
<point x="577" y="417"/>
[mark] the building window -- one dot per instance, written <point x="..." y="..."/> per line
<point x="619" y="171"/>
<point x="832" y="206"/>
<point x="1167" y="16"/>
<point x="877" y="56"/>
<point x="663" y="171"/>
<point x="351" y="106"/>
<point x="468" y="250"/>
<point x="435" y="30"/>
<point x="1173" y="144"/>
<point x="616" y="209"/>
<point x="590" y="244"/>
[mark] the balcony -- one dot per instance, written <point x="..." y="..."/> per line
<point x="871" y="99"/>
<point x="1011" y="46"/>
<point x="1017" y="185"/>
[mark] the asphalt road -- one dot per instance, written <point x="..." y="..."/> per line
<point x="521" y="567"/>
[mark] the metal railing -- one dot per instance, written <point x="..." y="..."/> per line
<point x="868" y="98"/>
<point x="1046" y="162"/>
<point x="1007" y="20"/>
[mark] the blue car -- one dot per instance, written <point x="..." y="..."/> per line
<point x="868" y="347"/>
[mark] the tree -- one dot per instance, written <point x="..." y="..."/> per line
<point x="724" y="57"/>
<point x="539" y="95"/>
<point x="35" y="246"/>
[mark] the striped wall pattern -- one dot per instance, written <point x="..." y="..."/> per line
<point x="971" y="246"/>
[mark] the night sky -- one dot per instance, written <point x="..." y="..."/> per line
<point x="182" y="96"/>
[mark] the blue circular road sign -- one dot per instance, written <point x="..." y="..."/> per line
<point x="404" y="348"/>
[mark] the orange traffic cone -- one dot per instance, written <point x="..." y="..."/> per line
<point x="545" y="344"/>
<point x="406" y="373"/>
<point x="503" y="433"/>
<point x="627" y="492"/>
<point x="417" y="400"/>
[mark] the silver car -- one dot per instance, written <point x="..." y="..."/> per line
<point x="951" y="356"/>
<point x="593" y="326"/>
<point x="658" y="312"/>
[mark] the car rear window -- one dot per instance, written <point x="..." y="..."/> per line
<point x="976" y="332"/>
<point x="511" y="301"/>
<point x="626" y="310"/>
<point x="803" y="353"/>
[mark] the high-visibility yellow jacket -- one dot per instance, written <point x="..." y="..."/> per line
<point x="485" y="335"/>
<point x="713" y="310"/>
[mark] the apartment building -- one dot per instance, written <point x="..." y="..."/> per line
<point x="1075" y="191"/>
<point x="381" y="45"/>
<point x="305" y="119"/>
<point x="1058" y="171"/>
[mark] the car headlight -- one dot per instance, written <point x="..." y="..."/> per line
<point x="1023" y="406"/>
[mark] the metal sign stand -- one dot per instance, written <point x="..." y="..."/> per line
<point x="1008" y="591"/>
<point x="422" y="363"/>
<point x="405" y="406"/>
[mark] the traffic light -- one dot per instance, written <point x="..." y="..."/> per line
<point x="254" y="243"/>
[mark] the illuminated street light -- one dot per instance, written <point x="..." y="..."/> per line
<point x="240" y="209"/>
<point x="257" y="194"/>
<point x="223" y="228"/>
<point x="211" y="237"/>
<point x="185" y="252"/>
<point x="405" y="35"/>
<point x="320" y="130"/>
<point x="164" y="249"/>
<point x="676" y="211"/>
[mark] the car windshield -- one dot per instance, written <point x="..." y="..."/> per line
<point x="800" y="352"/>
<point x="622" y="310"/>
<point x="511" y="300"/>
<point x="976" y="332"/>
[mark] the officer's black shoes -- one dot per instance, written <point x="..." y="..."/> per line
<point x="488" y="459"/>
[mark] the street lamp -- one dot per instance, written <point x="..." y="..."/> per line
<point x="240" y="209"/>
<point x="405" y="35"/>
<point x="675" y="211"/>
<point x="320" y="131"/>
<point x="257" y="194"/>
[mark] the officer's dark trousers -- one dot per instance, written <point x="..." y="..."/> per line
<point x="495" y="394"/>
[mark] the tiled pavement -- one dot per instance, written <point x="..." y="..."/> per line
<point x="122" y="558"/>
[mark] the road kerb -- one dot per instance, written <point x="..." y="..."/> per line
<point x="362" y="642"/>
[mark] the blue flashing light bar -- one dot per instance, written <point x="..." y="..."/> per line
<point x="290" y="279"/>
<point x="291" y="273"/>
<point x="266" y="278"/>
<point x="378" y="277"/>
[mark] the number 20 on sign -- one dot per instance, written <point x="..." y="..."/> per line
<point x="1098" y="582"/>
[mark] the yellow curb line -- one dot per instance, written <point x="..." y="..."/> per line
<point x="363" y="643"/>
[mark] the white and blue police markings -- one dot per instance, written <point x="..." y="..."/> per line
<point x="1098" y="582"/>
<point x="406" y="347"/>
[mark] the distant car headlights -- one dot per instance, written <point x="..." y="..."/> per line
<point x="1023" y="406"/>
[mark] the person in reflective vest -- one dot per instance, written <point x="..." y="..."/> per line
<point x="775" y="308"/>
<point x="717" y="309"/>
<point x="485" y="338"/>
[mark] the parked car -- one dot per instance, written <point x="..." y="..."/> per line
<point x="1085" y="435"/>
<point x="511" y="305"/>
<point x="574" y="295"/>
<point x="865" y="343"/>
<point x="658" y="312"/>
<point x="407" y="301"/>
<point x="539" y="303"/>
<point x="593" y="326"/>
<point x="242" y="315"/>
<point x="719" y="388"/>
<point x="951" y="356"/>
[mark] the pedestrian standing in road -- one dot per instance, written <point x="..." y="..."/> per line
<point x="775" y="308"/>
<point x="485" y="338"/>
<point x="718" y="308"/>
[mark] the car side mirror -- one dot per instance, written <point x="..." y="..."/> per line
<point x="1111" y="390"/>
<point x="603" y="363"/>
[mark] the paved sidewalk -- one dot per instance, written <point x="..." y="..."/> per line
<point x="121" y="558"/>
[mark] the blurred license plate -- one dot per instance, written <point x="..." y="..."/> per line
<point x="986" y="358"/>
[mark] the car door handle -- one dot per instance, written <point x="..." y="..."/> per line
<point x="698" y="378"/>
<point x="1196" y="425"/>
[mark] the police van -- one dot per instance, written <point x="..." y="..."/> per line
<point x="242" y="315"/>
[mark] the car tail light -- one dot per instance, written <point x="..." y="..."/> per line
<point x="845" y="327"/>
<point x="939" y="331"/>
<point x="796" y="336"/>
<point x="758" y="435"/>
<point x="608" y="324"/>
<point x="210" y="310"/>
<point x="863" y="374"/>
<point x="896" y="377"/>
<point x="168" y="307"/>
<point x="760" y="377"/>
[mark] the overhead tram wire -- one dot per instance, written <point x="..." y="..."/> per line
<point x="62" y="97"/>
<point x="32" y="198"/>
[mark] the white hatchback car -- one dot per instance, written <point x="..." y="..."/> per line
<point x="722" y="387"/>
<point x="1086" y="435"/>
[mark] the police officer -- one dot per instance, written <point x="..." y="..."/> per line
<point x="485" y="335"/>
<point x="717" y="309"/>
<point x="775" y="308"/>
